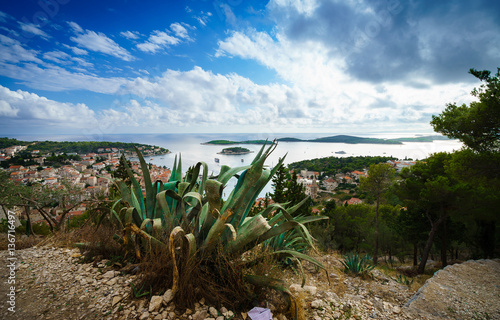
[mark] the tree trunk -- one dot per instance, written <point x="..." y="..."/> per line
<point x="29" y="229"/>
<point x="415" y="254"/>
<point x="444" y="240"/>
<point x="428" y="245"/>
<point x="375" y="250"/>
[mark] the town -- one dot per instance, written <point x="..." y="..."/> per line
<point x="92" y="173"/>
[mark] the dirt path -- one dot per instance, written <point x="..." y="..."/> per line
<point x="51" y="284"/>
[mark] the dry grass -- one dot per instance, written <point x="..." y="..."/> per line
<point x="21" y="242"/>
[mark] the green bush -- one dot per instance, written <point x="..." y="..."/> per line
<point x="356" y="264"/>
<point x="187" y="222"/>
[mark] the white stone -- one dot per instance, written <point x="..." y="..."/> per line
<point x="213" y="312"/>
<point x="396" y="310"/>
<point x="144" y="316"/>
<point x="116" y="299"/>
<point x="155" y="303"/>
<point x="168" y="296"/>
<point x="108" y="275"/>
<point x="296" y="288"/>
<point x="311" y="289"/>
<point x="316" y="304"/>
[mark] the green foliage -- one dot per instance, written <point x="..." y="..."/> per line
<point x="476" y="125"/>
<point x="8" y="142"/>
<point x="333" y="165"/>
<point x="233" y="150"/>
<point x="354" y="140"/>
<point x="402" y="279"/>
<point x="141" y="292"/>
<point x="356" y="264"/>
<point x="80" y="147"/>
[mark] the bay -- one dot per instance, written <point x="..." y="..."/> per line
<point x="191" y="150"/>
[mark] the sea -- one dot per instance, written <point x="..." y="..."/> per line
<point x="191" y="150"/>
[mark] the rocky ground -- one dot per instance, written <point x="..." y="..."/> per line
<point x="51" y="284"/>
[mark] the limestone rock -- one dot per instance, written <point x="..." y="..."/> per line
<point x="213" y="312"/>
<point x="312" y="290"/>
<point x="168" y="296"/>
<point x="155" y="303"/>
<point x="316" y="304"/>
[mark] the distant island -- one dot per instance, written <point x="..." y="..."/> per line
<point x="235" y="151"/>
<point x="335" y="139"/>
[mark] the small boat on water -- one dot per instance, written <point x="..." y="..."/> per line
<point x="242" y="160"/>
<point x="340" y="152"/>
<point x="216" y="160"/>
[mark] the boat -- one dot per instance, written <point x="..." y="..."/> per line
<point x="242" y="160"/>
<point x="340" y="152"/>
<point x="216" y="160"/>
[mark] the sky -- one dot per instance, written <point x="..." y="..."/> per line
<point x="215" y="66"/>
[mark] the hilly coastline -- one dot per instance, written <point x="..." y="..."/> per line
<point x="335" y="139"/>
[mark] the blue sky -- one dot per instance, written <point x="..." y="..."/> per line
<point x="127" y="66"/>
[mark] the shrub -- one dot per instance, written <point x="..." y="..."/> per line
<point x="197" y="238"/>
<point x="356" y="264"/>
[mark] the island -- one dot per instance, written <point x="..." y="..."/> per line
<point x="335" y="139"/>
<point x="235" y="151"/>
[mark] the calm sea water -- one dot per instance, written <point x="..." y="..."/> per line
<point x="190" y="148"/>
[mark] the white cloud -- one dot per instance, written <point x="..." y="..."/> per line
<point x="11" y="51"/>
<point x="179" y="30"/>
<point x="158" y="40"/>
<point x="57" y="57"/>
<point x="31" y="28"/>
<point x="6" y="110"/>
<point x="54" y="78"/>
<point x="65" y="59"/>
<point x="98" y="42"/>
<point x="3" y="16"/>
<point x="323" y="94"/>
<point x="77" y="50"/>
<point x="76" y="28"/>
<point x="29" y="107"/>
<point x="203" y="18"/>
<point x="133" y="35"/>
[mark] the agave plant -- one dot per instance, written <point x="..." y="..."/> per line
<point x="354" y="263"/>
<point x="199" y="224"/>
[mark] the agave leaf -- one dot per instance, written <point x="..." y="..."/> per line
<point x="269" y="234"/>
<point x="225" y="176"/>
<point x="182" y="188"/>
<point x="113" y="214"/>
<point x="132" y="217"/>
<point x="232" y="231"/>
<point x="136" y="188"/>
<point x="157" y="187"/>
<point x="136" y="203"/>
<point x="216" y="230"/>
<point x="123" y="188"/>
<point x="150" y="192"/>
<point x="167" y="217"/>
<point x="245" y="183"/>
<point x="251" y="231"/>
<point x="191" y="241"/>
<point x="302" y="256"/>
<point x="177" y="232"/>
<point x="177" y="170"/>
<point x="204" y="178"/>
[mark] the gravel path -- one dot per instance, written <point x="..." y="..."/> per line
<point x="50" y="284"/>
